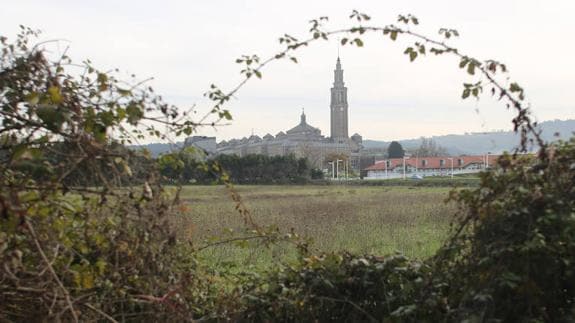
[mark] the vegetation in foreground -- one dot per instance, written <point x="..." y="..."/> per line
<point x="109" y="254"/>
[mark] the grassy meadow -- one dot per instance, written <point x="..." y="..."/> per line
<point x="360" y="219"/>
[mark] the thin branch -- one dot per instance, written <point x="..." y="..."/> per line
<point x="221" y="242"/>
<point x="357" y="307"/>
<point x="52" y="271"/>
<point x="106" y="316"/>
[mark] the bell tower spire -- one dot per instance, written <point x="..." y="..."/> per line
<point x="338" y="106"/>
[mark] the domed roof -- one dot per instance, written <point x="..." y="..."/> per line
<point x="303" y="127"/>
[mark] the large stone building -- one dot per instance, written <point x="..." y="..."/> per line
<point x="304" y="140"/>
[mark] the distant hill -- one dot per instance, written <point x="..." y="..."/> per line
<point x="467" y="144"/>
<point x="479" y="143"/>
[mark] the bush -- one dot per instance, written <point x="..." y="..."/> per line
<point x="337" y="288"/>
<point x="513" y="254"/>
<point x="72" y="251"/>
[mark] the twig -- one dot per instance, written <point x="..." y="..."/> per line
<point x="230" y="240"/>
<point x="51" y="269"/>
<point x="357" y="307"/>
<point x="108" y="317"/>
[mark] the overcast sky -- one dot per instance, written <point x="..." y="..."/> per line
<point x="187" y="45"/>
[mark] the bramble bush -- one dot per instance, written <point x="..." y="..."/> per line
<point x="70" y="250"/>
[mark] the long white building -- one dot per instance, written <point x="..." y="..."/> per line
<point x="429" y="166"/>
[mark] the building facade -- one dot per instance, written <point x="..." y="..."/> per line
<point x="304" y="140"/>
<point x="429" y="166"/>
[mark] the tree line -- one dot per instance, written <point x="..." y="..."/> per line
<point x="185" y="167"/>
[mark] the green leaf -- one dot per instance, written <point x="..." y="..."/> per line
<point x="20" y="151"/>
<point x="106" y="117"/>
<point x="134" y="113"/>
<point x="103" y="82"/>
<point x="393" y="35"/>
<point x="120" y="113"/>
<point x="514" y="87"/>
<point x="471" y="68"/>
<point x="99" y="132"/>
<point x="226" y="115"/>
<point x="51" y="117"/>
<point x="465" y="94"/>
<point x="124" y="92"/>
<point x="55" y="94"/>
<point x="358" y="42"/>
<point x="412" y="55"/>
<point x="33" y="98"/>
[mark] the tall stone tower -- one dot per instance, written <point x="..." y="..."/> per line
<point x="338" y="106"/>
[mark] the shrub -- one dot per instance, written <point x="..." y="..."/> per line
<point x="71" y="251"/>
<point x="513" y="254"/>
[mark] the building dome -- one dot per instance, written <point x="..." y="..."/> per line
<point x="303" y="128"/>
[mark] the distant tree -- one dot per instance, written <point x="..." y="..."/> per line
<point x="429" y="148"/>
<point x="395" y="150"/>
<point x="316" y="173"/>
<point x="183" y="167"/>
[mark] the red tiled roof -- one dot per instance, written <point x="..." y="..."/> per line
<point x="433" y="162"/>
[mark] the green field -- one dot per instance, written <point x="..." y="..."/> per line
<point x="359" y="219"/>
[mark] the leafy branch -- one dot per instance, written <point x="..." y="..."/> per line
<point x="490" y="69"/>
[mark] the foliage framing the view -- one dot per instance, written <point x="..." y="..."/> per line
<point x="74" y="252"/>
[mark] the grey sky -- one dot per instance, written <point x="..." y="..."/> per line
<point x="186" y="45"/>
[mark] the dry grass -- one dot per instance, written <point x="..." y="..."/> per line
<point x="375" y="220"/>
